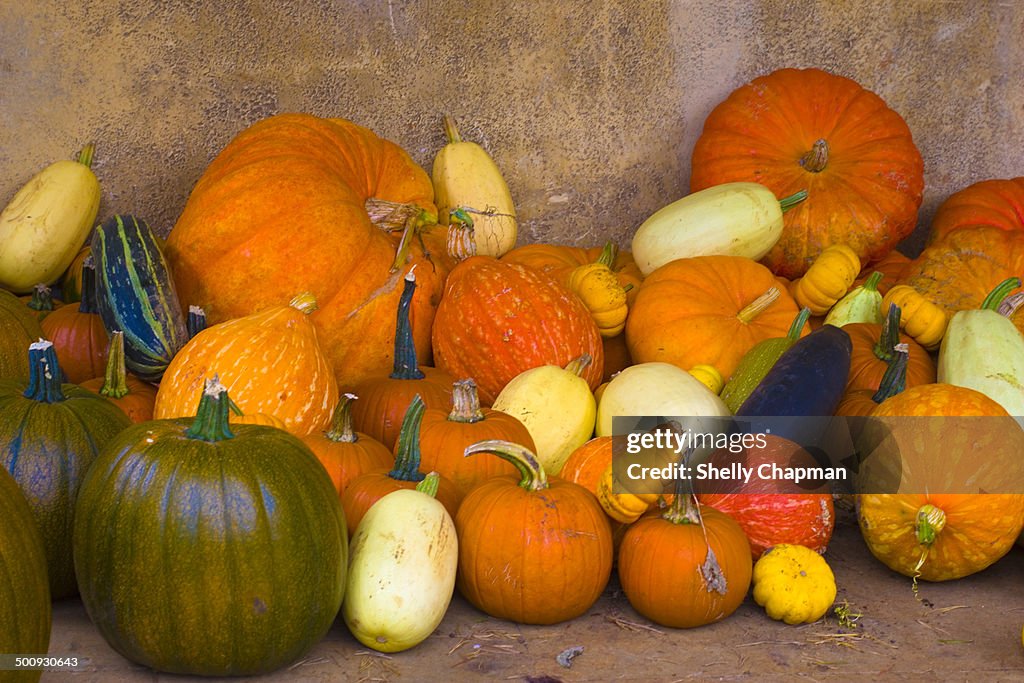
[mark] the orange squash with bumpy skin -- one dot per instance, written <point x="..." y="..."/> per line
<point x="997" y="203"/>
<point x="796" y="129"/>
<point x="283" y="209"/>
<point x="272" y="362"/>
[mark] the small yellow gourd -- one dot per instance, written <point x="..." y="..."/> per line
<point x="600" y="291"/>
<point x="709" y="376"/>
<point x="794" y="584"/>
<point x="923" y="320"/>
<point x="827" y="280"/>
<point x="624" y="507"/>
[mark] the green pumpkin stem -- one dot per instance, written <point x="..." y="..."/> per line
<point x="88" y="302"/>
<point x="895" y="378"/>
<point x="211" y="422"/>
<point x="451" y="131"/>
<point x="684" y="509"/>
<point x="608" y="254"/>
<point x="885" y="346"/>
<point x="341" y="421"/>
<point x="787" y="203"/>
<point x="797" y="326"/>
<point x="196" y="321"/>
<point x="430" y="484"/>
<point x="86" y="155"/>
<point x="758" y="305"/>
<point x="44" y="378"/>
<point x="115" y="380"/>
<point x="405" y="366"/>
<point x="929" y="524"/>
<point x="407" y="455"/>
<point x="465" y="402"/>
<point x="816" y="159"/>
<point x="42" y="298"/>
<point x="871" y="284"/>
<point x="533" y="477"/>
<point x="1001" y="291"/>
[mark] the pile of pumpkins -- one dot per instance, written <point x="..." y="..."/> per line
<point x="339" y="387"/>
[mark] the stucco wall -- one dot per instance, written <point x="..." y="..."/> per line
<point x="591" y="107"/>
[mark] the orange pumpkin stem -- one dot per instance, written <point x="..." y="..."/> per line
<point x="115" y="383"/>
<point x="44" y="380"/>
<point x="341" y="421"/>
<point x="407" y="455"/>
<point x="758" y="305"/>
<point x="816" y="159"/>
<point x="465" y="402"/>
<point x="211" y="422"/>
<point x="533" y="476"/>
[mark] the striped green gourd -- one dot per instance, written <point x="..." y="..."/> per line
<point x="25" y="612"/>
<point x="756" y="362"/>
<point x="135" y="293"/>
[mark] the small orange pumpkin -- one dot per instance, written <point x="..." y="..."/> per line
<point x="78" y="334"/>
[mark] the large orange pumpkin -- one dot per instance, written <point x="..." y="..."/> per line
<point x="807" y="129"/>
<point x="498" y="319"/>
<point x="997" y="203"/>
<point x="707" y="310"/>
<point x="282" y="209"/>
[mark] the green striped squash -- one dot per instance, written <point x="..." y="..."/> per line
<point x="25" y="613"/>
<point x="49" y="435"/>
<point x="135" y="293"/>
<point x="210" y="549"/>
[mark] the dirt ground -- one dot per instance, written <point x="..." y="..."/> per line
<point x="967" y="630"/>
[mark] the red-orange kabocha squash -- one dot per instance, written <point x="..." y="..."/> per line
<point x="807" y="129"/>
<point x="498" y="319"/>
<point x="997" y="203"/>
<point x="282" y="209"/>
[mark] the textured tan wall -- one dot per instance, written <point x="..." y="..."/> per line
<point x="591" y="107"/>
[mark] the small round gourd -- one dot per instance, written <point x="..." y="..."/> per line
<point x="794" y="584"/>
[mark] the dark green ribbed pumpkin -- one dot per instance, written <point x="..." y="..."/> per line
<point x="25" y="616"/>
<point x="135" y="293"/>
<point x="19" y="327"/>
<point x="208" y="549"/>
<point x="49" y="435"/>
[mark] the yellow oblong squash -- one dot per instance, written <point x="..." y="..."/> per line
<point x="46" y="222"/>
<point x="734" y="219"/>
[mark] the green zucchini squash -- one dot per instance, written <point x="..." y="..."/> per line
<point x="983" y="350"/>
<point x="735" y="219"/>
<point x="862" y="304"/>
<point x="136" y="294"/>
<point x="756" y="362"/>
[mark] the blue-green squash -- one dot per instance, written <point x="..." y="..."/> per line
<point x="136" y="294"/>
<point x="210" y="549"/>
<point x="49" y="436"/>
<point x="25" y="611"/>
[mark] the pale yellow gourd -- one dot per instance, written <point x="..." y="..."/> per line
<point x="403" y="559"/>
<point x="45" y="224"/>
<point x="557" y="407"/>
<point x="734" y="219"/>
<point x="469" y="185"/>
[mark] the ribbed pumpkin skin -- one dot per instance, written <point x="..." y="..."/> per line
<point x="558" y="260"/>
<point x="81" y="342"/>
<point x="866" y="369"/>
<point x="533" y="557"/>
<point x="291" y="190"/>
<point x="47" y="448"/>
<point x="660" y="568"/>
<point x="686" y="313"/>
<point x="271" y="362"/>
<point x="25" y="612"/>
<point x="135" y="294"/>
<point x="212" y="558"/>
<point x="18" y="328"/>
<point x="997" y="203"/>
<point x="869" y="191"/>
<point x="499" y="319"/>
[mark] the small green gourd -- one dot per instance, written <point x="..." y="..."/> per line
<point x="756" y="363"/>
<point x="861" y="305"/>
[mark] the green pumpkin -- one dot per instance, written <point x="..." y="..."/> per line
<point x="208" y="549"/>
<point x="25" y="616"/>
<point x="19" y="327"/>
<point x="49" y="435"/>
